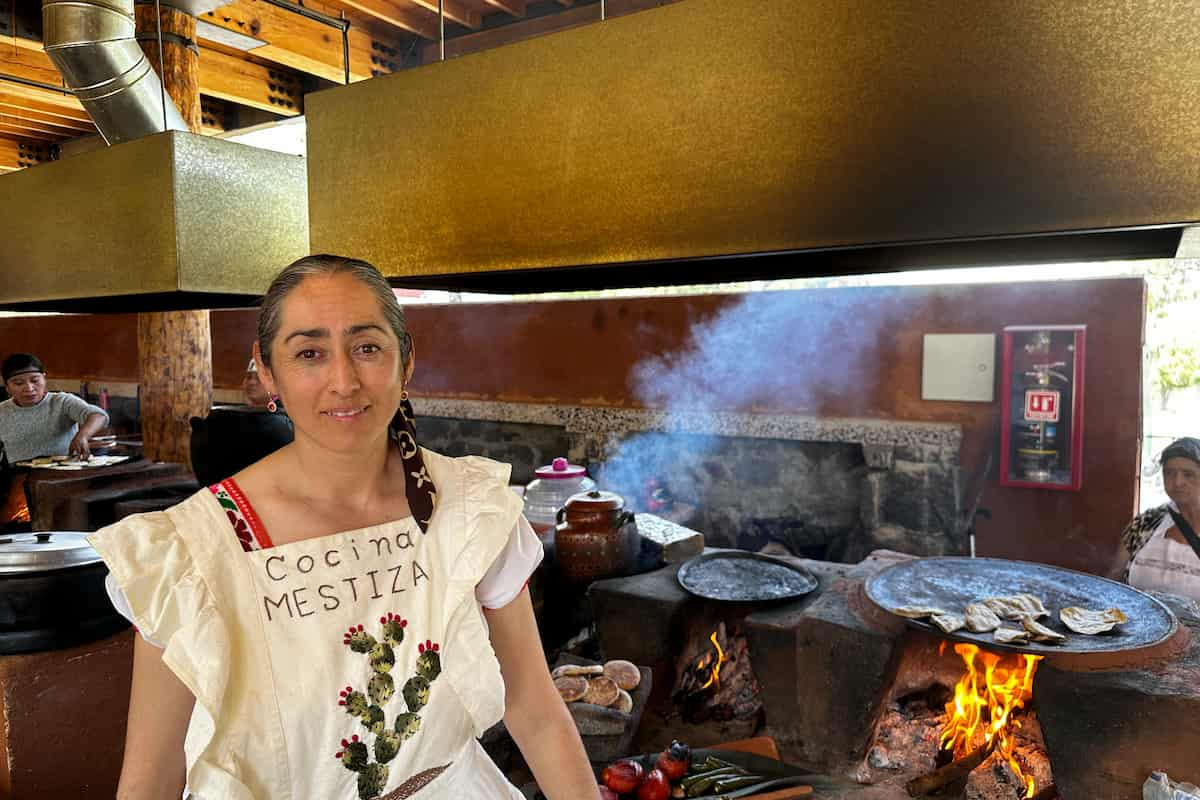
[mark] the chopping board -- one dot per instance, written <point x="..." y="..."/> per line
<point x="765" y="746"/>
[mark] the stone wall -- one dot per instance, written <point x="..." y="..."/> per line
<point x="525" y="446"/>
<point x="828" y="489"/>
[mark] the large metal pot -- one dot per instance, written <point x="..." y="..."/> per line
<point x="52" y="593"/>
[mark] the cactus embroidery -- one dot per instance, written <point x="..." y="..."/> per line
<point x="370" y="762"/>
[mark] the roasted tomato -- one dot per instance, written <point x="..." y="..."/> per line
<point x="623" y="777"/>
<point x="674" y="761"/>
<point x="654" y="787"/>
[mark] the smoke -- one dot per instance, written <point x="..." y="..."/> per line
<point x="816" y="352"/>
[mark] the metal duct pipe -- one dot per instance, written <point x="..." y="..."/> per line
<point x="93" y="44"/>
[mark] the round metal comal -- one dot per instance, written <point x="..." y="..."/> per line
<point x="742" y="577"/>
<point x="950" y="583"/>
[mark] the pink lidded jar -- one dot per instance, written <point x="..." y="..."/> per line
<point x="549" y="491"/>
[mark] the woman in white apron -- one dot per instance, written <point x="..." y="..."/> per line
<point x="345" y="617"/>
<point x="1163" y="548"/>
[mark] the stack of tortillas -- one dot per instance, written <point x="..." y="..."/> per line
<point x="606" y="684"/>
<point x="989" y="614"/>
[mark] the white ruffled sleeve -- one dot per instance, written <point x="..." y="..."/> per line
<point x="162" y="590"/>
<point x="510" y="572"/>
<point x="121" y="604"/>
<point x="152" y="578"/>
<point x="487" y="512"/>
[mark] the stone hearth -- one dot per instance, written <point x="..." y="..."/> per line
<point x="831" y="666"/>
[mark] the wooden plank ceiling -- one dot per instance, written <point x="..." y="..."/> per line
<point x="289" y="55"/>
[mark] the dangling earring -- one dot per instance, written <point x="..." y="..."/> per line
<point x="403" y="395"/>
<point x="273" y="404"/>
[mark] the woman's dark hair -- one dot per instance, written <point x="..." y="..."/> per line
<point x="295" y="273"/>
<point x="1187" y="447"/>
<point x="20" y="363"/>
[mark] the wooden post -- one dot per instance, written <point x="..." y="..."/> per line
<point x="174" y="347"/>
<point x="180" y="71"/>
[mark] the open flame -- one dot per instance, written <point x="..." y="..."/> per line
<point x="985" y="700"/>
<point x="706" y="660"/>
<point x="14" y="508"/>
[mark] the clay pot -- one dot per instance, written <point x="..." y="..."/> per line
<point x="595" y="537"/>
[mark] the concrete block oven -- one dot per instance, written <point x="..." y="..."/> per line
<point x="851" y="691"/>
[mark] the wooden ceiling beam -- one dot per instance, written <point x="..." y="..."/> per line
<point x="29" y="63"/>
<point x="221" y="75"/>
<point x="537" y="26"/>
<point x="35" y="128"/>
<point x="46" y="100"/>
<point x="35" y="101"/>
<point x="398" y="14"/>
<point x="10" y="155"/>
<point x="296" y="41"/>
<point x="35" y="120"/>
<point x="230" y="78"/>
<point x="455" y="11"/>
<point x="514" y="8"/>
<point x="16" y="132"/>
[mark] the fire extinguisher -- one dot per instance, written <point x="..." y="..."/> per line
<point x="1039" y="450"/>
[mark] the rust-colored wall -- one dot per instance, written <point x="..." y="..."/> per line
<point x="76" y="345"/>
<point x="852" y="352"/>
<point x="64" y="715"/>
<point x="830" y="352"/>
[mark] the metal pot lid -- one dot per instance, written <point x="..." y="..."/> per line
<point x="43" y="551"/>
<point x="595" y="500"/>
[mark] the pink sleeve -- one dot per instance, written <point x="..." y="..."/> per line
<point x="511" y="570"/>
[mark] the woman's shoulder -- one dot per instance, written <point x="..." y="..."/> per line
<point x="195" y="518"/>
<point x="1142" y="527"/>
<point x="470" y="468"/>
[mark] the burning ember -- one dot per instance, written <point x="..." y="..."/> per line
<point x="985" y="699"/>
<point x="716" y="681"/>
<point x="14" y="508"/>
<point x="706" y="664"/>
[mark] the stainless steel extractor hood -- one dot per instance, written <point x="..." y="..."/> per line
<point x="170" y="221"/>
<point x="824" y="136"/>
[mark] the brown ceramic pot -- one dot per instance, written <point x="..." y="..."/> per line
<point x="595" y="537"/>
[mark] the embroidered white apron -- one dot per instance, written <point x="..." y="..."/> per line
<point x="1165" y="565"/>
<point x="354" y="665"/>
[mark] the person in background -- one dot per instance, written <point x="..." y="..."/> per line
<point x="256" y="394"/>
<point x="35" y="422"/>
<point x="1161" y="544"/>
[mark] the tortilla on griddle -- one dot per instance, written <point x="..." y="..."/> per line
<point x="1091" y="623"/>
<point x="1040" y="633"/>
<point x="918" y="612"/>
<point x="1010" y="636"/>
<point x="981" y="619"/>
<point x="949" y="623"/>
<point x="1016" y="606"/>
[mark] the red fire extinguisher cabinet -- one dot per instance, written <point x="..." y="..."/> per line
<point x="1041" y="435"/>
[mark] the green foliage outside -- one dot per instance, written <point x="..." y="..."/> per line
<point x="1173" y="326"/>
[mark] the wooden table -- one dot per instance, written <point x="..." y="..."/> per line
<point x="82" y="500"/>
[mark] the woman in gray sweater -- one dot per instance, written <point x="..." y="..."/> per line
<point x="35" y="422"/>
